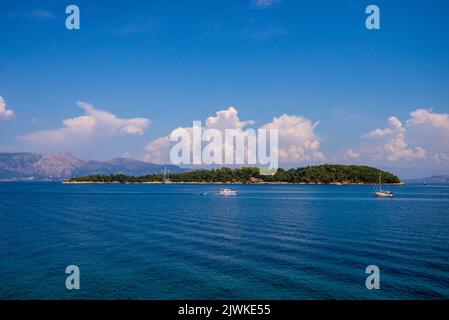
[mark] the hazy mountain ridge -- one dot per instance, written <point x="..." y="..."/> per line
<point x="60" y="166"/>
<point x="438" y="179"/>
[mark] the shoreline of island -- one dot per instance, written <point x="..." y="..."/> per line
<point x="327" y="174"/>
<point x="233" y="183"/>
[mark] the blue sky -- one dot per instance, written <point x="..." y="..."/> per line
<point x="179" y="61"/>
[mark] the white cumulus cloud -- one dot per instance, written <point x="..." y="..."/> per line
<point x="95" y="123"/>
<point x="442" y="158"/>
<point x="352" y="154"/>
<point x="158" y="150"/>
<point x="424" y="133"/>
<point x="227" y="119"/>
<point x="396" y="146"/>
<point x="394" y="122"/>
<point x="427" y="117"/>
<point x="297" y="139"/>
<point x="5" y="113"/>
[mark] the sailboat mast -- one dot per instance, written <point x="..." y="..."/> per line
<point x="380" y="181"/>
<point x="166" y="175"/>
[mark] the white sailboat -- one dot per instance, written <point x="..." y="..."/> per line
<point x="378" y="192"/>
<point x="166" y="176"/>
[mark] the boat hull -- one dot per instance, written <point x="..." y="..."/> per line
<point x="228" y="192"/>
<point x="383" y="194"/>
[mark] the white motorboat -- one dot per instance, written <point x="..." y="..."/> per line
<point x="227" y="192"/>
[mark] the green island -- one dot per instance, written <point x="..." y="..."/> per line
<point x="321" y="174"/>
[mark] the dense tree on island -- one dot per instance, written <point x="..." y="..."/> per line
<point x="325" y="174"/>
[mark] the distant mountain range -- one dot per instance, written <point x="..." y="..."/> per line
<point x="431" y="180"/>
<point x="60" y="166"/>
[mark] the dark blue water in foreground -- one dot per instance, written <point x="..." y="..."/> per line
<point x="270" y="242"/>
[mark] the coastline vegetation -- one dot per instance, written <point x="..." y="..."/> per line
<point x="321" y="174"/>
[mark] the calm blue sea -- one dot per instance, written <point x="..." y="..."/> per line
<point x="269" y="242"/>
